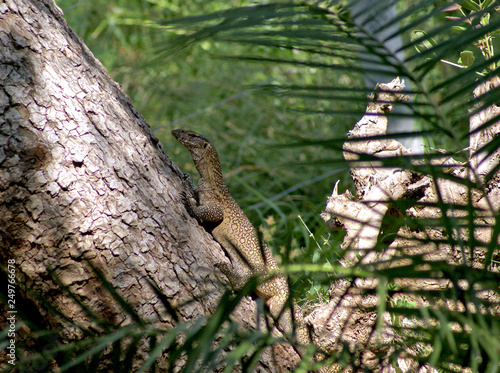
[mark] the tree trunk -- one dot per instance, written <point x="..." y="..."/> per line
<point x="379" y="188"/>
<point x="87" y="198"/>
<point x="84" y="184"/>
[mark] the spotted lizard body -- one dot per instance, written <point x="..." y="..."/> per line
<point x="229" y="226"/>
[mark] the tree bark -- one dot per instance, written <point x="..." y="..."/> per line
<point x="85" y="190"/>
<point x="84" y="184"/>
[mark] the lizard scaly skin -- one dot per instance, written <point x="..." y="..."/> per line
<point x="224" y="219"/>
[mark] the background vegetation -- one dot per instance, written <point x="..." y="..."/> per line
<point x="237" y="104"/>
<point x="279" y="126"/>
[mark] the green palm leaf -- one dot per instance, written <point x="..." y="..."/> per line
<point x="331" y="37"/>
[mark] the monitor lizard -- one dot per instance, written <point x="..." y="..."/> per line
<point x="228" y="224"/>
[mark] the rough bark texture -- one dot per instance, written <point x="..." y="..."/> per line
<point x="83" y="180"/>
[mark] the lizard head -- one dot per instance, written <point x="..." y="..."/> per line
<point x="198" y="145"/>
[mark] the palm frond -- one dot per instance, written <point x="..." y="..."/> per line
<point x="339" y="38"/>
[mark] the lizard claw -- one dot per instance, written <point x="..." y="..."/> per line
<point x="187" y="204"/>
<point x="192" y="187"/>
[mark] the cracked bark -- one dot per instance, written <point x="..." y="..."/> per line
<point x="83" y="180"/>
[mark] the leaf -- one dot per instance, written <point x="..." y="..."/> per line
<point x="487" y="3"/>
<point x="466" y="58"/>
<point x="458" y="29"/>
<point x="470" y="5"/>
<point x="485" y="19"/>
<point x="423" y="43"/>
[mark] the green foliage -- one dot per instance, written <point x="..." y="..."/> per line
<point x="115" y="347"/>
<point x="276" y="87"/>
<point x="242" y="106"/>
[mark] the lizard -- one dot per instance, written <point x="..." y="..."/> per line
<point x="217" y="210"/>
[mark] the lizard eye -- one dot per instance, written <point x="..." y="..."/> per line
<point x="205" y="145"/>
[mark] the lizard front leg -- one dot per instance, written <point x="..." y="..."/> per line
<point x="237" y="271"/>
<point x="207" y="213"/>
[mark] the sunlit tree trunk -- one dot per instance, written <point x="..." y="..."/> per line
<point x="84" y="183"/>
<point x="370" y="242"/>
<point x="378" y="22"/>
